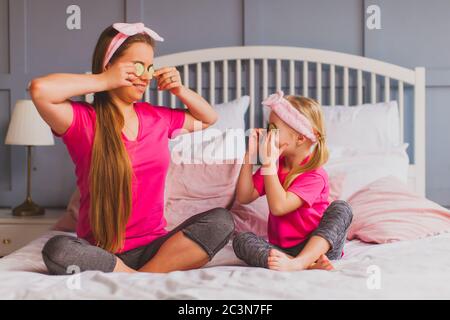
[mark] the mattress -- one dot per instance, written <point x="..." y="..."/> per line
<point x="418" y="269"/>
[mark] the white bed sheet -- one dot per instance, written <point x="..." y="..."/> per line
<point x="417" y="269"/>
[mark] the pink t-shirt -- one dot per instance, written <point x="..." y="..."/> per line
<point x="149" y="155"/>
<point x="292" y="228"/>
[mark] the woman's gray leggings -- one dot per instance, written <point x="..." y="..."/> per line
<point x="333" y="227"/>
<point x="62" y="254"/>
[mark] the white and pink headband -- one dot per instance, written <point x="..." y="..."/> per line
<point x="126" y="30"/>
<point x="283" y="109"/>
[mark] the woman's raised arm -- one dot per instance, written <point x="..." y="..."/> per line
<point x="51" y="93"/>
<point x="199" y="110"/>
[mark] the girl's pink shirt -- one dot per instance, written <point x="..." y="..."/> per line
<point x="149" y="155"/>
<point x="294" y="227"/>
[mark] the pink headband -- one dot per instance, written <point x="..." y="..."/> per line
<point x="126" y="30"/>
<point x="283" y="108"/>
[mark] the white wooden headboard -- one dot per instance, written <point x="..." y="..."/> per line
<point x="221" y="74"/>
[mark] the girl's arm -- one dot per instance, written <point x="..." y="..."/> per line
<point x="200" y="114"/>
<point x="280" y="201"/>
<point x="51" y="93"/>
<point x="245" y="190"/>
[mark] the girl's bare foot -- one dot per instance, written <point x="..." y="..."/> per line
<point x="323" y="263"/>
<point x="282" y="262"/>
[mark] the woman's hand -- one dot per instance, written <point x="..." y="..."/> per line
<point x="169" y="79"/>
<point x="200" y="113"/>
<point x="121" y="74"/>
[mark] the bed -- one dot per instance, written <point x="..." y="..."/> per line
<point x="407" y="269"/>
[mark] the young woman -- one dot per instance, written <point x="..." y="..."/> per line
<point x="120" y="150"/>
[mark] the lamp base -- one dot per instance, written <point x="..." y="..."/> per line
<point x="28" y="208"/>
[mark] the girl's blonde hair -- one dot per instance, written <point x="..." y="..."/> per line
<point x="312" y="110"/>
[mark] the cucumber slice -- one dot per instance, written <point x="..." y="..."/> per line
<point x="151" y="71"/>
<point x="139" y="69"/>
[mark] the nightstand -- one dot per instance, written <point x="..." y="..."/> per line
<point x="16" y="232"/>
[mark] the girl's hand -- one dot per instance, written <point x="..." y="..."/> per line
<point x="120" y="74"/>
<point x="253" y="142"/>
<point x="270" y="151"/>
<point x="252" y="151"/>
<point x="169" y="79"/>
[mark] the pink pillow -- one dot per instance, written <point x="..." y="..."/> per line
<point x="251" y="217"/>
<point x="195" y="188"/>
<point x="387" y="211"/>
<point x="336" y="182"/>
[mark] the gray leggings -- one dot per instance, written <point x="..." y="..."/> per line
<point x="211" y="230"/>
<point x="333" y="227"/>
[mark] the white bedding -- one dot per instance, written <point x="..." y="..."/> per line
<point x="417" y="269"/>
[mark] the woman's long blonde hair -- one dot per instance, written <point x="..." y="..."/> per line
<point x="111" y="173"/>
<point x="313" y="112"/>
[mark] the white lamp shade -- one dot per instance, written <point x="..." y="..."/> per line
<point x="27" y="127"/>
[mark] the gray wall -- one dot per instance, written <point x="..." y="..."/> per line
<point x="34" y="40"/>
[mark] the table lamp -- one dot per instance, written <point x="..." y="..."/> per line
<point x="27" y="128"/>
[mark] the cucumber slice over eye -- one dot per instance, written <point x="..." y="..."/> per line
<point x="139" y="69"/>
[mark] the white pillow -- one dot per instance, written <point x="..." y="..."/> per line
<point x="225" y="140"/>
<point x="369" y="127"/>
<point x="227" y="145"/>
<point x="361" y="168"/>
<point x="231" y="114"/>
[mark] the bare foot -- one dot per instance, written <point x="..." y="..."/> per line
<point x="282" y="262"/>
<point x="323" y="263"/>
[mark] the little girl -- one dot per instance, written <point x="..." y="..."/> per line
<point x="304" y="231"/>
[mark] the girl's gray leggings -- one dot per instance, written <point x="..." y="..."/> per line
<point x="63" y="254"/>
<point x="254" y="250"/>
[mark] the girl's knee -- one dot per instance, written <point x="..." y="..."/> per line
<point x="243" y="236"/>
<point x="334" y="255"/>
<point x="242" y="239"/>
<point x="252" y="249"/>
<point x="341" y="209"/>
<point x="341" y="204"/>
<point x="347" y="211"/>
<point x="239" y="241"/>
